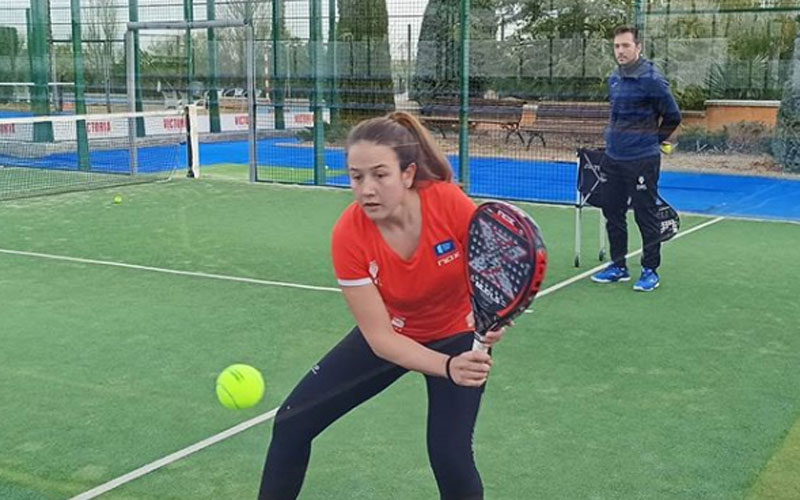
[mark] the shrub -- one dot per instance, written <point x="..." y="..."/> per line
<point x="693" y="97"/>
<point x="786" y="144"/>
<point x="749" y="137"/>
<point x="700" y="140"/>
<point x="333" y="134"/>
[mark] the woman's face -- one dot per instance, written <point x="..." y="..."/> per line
<point x="378" y="184"/>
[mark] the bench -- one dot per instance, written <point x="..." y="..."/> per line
<point x="443" y="113"/>
<point x="585" y="121"/>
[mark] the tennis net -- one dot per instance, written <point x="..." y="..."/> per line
<point x="54" y="154"/>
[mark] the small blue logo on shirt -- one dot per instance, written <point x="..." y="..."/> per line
<point x="444" y="247"/>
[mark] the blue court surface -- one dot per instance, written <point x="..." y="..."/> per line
<point x="490" y="177"/>
<point x="555" y="182"/>
<point x="5" y="113"/>
<point x="113" y="161"/>
<point x="8" y="113"/>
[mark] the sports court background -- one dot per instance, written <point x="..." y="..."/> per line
<point x="116" y="318"/>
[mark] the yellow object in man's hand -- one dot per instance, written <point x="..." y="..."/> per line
<point x="667" y="148"/>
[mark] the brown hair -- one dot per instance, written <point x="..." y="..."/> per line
<point x="411" y="142"/>
<point x="628" y="29"/>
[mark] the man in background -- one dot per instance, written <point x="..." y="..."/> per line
<point x="643" y="116"/>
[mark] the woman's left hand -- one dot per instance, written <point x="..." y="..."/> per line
<point x="495" y="336"/>
<point x="491" y="337"/>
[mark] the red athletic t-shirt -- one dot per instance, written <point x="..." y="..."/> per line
<point x="427" y="296"/>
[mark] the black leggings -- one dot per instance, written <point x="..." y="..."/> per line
<point x="346" y="377"/>
<point x="636" y="180"/>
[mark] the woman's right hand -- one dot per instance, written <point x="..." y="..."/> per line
<point x="470" y="368"/>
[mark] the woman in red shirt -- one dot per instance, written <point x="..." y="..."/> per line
<point x="399" y="254"/>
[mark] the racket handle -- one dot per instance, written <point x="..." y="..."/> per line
<point x="478" y="345"/>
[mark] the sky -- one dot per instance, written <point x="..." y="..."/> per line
<point x="402" y="14"/>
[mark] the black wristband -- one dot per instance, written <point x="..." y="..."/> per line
<point x="447" y="369"/>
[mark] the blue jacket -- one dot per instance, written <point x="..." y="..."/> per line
<point x="643" y="112"/>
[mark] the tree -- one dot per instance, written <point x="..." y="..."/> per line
<point x="364" y="79"/>
<point x="100" y="32"/>
<point x="562" y="19"/>
<point x="438" y="63"/>
<point x="231" y="43"/>
<point x="786" y="145"/>
<point x="10" y="46"/>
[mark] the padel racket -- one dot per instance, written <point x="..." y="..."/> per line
<point x="669" y="222"/>
<point x="506" y="262"/>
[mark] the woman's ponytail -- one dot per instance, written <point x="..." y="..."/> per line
<point x="432" y="163"/>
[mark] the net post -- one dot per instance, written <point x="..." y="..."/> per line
<point x="192" y="142"/>
<point x="317" y="92"/>
<point x="463" y="114"/>
<point x="38" y="50"/>
<point x="211" y="85"/>
<point x="130" y="51"/>
<point x="80" y="102"/>
<point x="251" y="100"/>
<point x="278" y="69"/>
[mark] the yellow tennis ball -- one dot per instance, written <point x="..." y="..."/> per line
<point x="667" y="148"/>
<point x="240" y="386"/>
<point x="117" y="199"/>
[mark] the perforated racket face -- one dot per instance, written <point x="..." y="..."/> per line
<point x="502" y="259"/>
<point x="668" y="220"/>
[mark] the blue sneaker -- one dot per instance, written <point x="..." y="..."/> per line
<point x="648" y="282"/>
<point x="612" y="274"/>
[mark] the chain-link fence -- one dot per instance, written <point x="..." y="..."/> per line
<point x="729" y="64"/>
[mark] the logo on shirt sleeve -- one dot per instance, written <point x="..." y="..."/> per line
<point x="373" y="273"/>
<point x="446" y="252"/>
<point x="398" y="322"/>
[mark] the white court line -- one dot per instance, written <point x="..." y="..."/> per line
<point x="294" y="285"/>
<point x="174" y="457"/>
<point x="168" y="271"/>
<point x="593" y="270"/>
